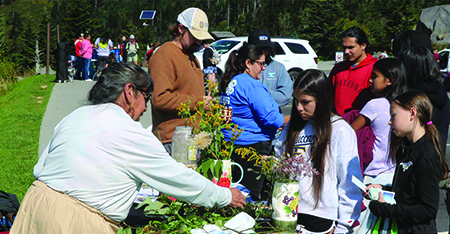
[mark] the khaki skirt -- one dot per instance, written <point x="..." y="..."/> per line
<point x="44" y="210"/>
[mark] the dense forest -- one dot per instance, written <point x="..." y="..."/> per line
<point x="23" y="23"/>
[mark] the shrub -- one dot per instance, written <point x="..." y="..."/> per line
<point x="8" y="74"/>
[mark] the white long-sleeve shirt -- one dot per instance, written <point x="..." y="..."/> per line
<point x="340" y="199"/>
<point x="100" y="156"/>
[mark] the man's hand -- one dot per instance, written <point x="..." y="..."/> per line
<point x="237" y="199"/>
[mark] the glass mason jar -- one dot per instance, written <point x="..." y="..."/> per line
<point x="180" y="144"/>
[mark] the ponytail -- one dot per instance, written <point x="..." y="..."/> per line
<point x="232" y="68"/>
<point x="424" y="108"/>
<point x="236" y="63"/>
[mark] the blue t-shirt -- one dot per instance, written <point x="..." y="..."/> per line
<point x="254" y="110"/>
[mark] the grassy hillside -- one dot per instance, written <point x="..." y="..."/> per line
<point x="21" y="111"/>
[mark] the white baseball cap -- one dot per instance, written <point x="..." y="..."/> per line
<point x="196" y="21"/>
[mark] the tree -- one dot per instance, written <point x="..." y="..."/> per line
<point x="79" y="19"/>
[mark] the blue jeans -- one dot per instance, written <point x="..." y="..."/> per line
<point x="86" y="67"/>
<point x="79" y="67"/>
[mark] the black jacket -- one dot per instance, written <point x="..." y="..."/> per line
<point x="437" y="94"/>
<point x="416" y="187"/>
<point x="207" y="55"/>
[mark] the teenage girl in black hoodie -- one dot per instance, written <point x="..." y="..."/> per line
<point x="417" y="150"/>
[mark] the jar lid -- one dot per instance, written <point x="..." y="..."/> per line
<point x="183" y="128"/>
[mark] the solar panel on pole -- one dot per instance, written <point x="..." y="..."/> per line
<point x="146" y="15"/>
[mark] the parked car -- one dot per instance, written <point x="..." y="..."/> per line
<point x="296" y="54"/>
<point x="444" y="61"/>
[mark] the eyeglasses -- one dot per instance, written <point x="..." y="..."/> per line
<point x="261" y="64"/>
<point x="147" y="95"/>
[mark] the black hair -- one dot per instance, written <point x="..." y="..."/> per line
<point x="105" y="37"/>
<point x="236" y="63"/>
<point x="113" y="79"/>
<point x="420" y="65"/>
<point x="408" y="39"/>
<point x="394" y="70"/>
<point x="360" y="35"/>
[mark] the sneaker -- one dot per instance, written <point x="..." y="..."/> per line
<point x="88" y="80"/>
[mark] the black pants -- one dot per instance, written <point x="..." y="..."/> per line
<point x="250" y="178"/>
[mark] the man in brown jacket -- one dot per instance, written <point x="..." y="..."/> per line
<point x="177" y="75"/>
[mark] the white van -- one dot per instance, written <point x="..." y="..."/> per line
<point x="295" y="54"/>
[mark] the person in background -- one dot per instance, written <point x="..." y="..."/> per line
<point x="408" y="39"/>
<point x="275" y="77"/>
<point x="152" y="50"/>
<point x="328" y="201"/>
<point x="177" y="74"/>
<point x="86" y="53"/>
<point x="123" y="51"/>
<point x="80" y="61"/>
<point x="104" y="46"/>
<point x="383" y="55"/>
<point x="91" y="171"/>
<point x="111" y="59"/>
<point x="254" y="110"/>
<point x="132" y="49"/>
<point x="416" y="148"/>
<point x="350" y="78"/>
<point x="424" y="75"/>
<point x="209" y="67"/>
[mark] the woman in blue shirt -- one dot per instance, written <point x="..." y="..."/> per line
<point x="254" y="110"/>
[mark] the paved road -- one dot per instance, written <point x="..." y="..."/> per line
<point x="68" y="96"/>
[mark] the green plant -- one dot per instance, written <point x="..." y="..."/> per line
<point x="8" y="73"/>
<point x="211" y="118"/>
<point x="282" y="169"/>
<point x="180" y="217"/>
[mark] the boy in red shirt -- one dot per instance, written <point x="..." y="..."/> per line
<point x="350" y="77"/>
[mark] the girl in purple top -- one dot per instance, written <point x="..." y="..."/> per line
<point x="387" y="74"/>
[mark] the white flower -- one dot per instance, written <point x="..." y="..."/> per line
<point x="201" y="140"/>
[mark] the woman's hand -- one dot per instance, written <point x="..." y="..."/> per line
<point x="237" y="199"/>
<point x="286" y="120"/>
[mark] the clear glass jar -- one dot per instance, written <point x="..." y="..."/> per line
<point x="180" y="144"/>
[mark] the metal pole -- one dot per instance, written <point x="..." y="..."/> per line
<point x="57" y="32"/>
<point x="48" y="49"/>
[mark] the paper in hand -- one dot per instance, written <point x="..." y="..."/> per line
<point x="358" y="183"/>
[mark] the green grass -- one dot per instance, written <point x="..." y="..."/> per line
<point x="22" y="108"/>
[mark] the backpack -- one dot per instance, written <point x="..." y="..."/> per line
<point x="216" y="56"/>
